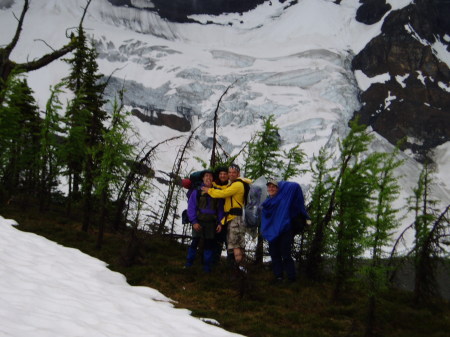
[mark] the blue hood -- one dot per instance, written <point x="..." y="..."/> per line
<point x="277" y="212"/>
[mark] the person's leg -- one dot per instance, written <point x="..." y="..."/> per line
<point x="230" y="253"/>
<point x="236" y="239"/>
<point x="286" y="242"/>
<point x="192" y="251"/>
<point x="275" y="255"/>
<point x="238" y="255"/>
<point x="209" y="245"/>
<point x="208" y="254"/>
<point x="221" y="239"/>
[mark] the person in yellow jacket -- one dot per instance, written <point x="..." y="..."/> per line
<point x="234" y="203"/>
<point x="221" y="182"/>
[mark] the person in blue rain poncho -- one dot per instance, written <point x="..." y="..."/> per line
<point x="282" y="213"/>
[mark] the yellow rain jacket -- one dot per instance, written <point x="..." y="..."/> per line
<point x="233" y="195"/>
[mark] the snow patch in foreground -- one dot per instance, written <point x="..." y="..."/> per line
<point x="49" y="290"/>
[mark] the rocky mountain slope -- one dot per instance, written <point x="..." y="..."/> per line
<point x="314" y="64"/>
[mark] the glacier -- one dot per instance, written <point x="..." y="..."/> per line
<point x="276" y="59"/>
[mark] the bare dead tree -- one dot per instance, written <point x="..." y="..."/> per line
<point x="8" y="66"/>
<point x="133" y="179"/>
<point x="173" y="180"/>
<point x="427" y="261"/>
<point x="212" y="161"/>
<point x="438" y="235"/>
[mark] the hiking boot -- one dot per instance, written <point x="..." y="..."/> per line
<point x="277" y="281"/>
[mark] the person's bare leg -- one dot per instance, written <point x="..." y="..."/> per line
<point x="238" y="255"/>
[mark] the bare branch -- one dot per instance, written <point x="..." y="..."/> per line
<point x="125" y="190"/>
<point x="175" y="173"/>
<point x="46" y="59"/>
<point x="110" y="76"/>
<point x="212" y="161"/>
<point x="8" y="49"/>
<point x="45" y="43"/>
<point x="399" y="239"/>
<point x="84" y="13"/>
<point x="7" y="66"/>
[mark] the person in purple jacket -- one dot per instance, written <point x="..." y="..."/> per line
<point x="205" y="214"/>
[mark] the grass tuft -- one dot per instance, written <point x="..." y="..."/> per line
<point x="252" y="306"/>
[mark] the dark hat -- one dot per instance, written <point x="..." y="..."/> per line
<point x="273" y="182"/>
<point x="207" y="171"/>
<point x="221" y="169"/>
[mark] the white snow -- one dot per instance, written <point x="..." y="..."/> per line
<point x="442" y="159"/>
<point x="292" y="63"/>
<point x="440" y="50"/>
<point x="48" y="290"/>
<point x="401" y="80"/>
<point x="388" y="100"/>
<point x="280" y="62"/>
<point x="445" y="86"/>
<point x="364" y="81"/>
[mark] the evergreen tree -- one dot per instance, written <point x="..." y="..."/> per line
<point x="74" y="150"/>
<point x="294" y="158"/>
<point x="382" y="223"/>
<point x="9" y="132"/>
<point x="30" y="124"/>
<point x="50" y="164"/>
<point x="93" y="102"/>
<point x="114" y="153"/>
<point x="427" y="235"/>
<point x="352" y="203"/>
<point x="318" y="234"/>
<point x="264" y="157"/>
<point x="85" y="123"/>
<point x="19" y="144"/>
<point x="351" y="220"/>
<point x="351" y="147"/>
<point x="77" y="117"/>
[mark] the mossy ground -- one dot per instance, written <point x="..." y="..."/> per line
<point x="250" y="305"/>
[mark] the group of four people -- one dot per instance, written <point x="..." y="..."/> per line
<point x="215" y="211"/>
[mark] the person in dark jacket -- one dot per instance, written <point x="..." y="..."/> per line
<point x="280" y="215"/>
<point x="205" y="214"/>
<point x="221" y="182"/>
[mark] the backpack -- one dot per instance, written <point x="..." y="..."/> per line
<point x="196" y="179"/>
<point x="184" y="217"/>
<point x="192" y="183"/>
<point x="247" y="183"/>
<point x="205" y="213"/>
<point x="239" y="211"/>
<point x="298" y="224"/>
<point x="257" y="193"/>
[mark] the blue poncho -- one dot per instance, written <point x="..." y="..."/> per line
<point x="277" y="212"/>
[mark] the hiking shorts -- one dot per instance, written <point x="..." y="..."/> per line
<point x="236" y="233"/>
<point x="207" y="232"/>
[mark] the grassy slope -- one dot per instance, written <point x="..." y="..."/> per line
<point x="253" y="307"/>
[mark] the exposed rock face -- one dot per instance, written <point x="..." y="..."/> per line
<point x="178" y="10"/>
<point x="372" y="11"/>
<point x="415" y="102"/>
<point x="159" y="118"/>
